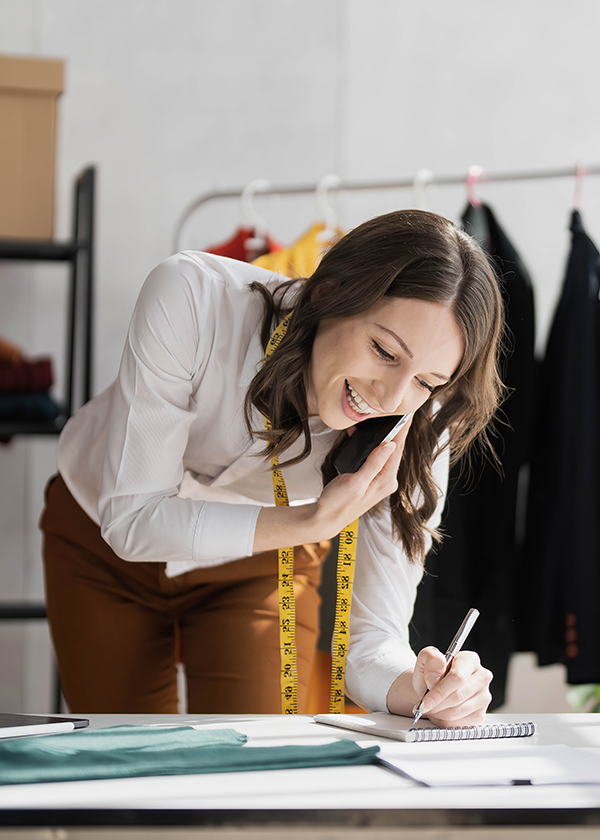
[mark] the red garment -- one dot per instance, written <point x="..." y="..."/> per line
<point x="26" y="375"/>
<point x="237" y="249"/>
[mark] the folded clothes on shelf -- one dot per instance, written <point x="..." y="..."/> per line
<point x="28" y="406"/>
<point x="26" y="375"/>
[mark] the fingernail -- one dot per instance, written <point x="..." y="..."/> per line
<point x="389" y="446"/>
<point x="432" y="680"/>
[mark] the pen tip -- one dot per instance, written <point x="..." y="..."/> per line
<point x="417" y="716"/>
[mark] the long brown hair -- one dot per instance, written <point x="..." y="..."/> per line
<point x="404" y="254"/>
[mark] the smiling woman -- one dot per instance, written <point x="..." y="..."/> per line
<point x="404" y="308"/>
<point x="160" y="530"/>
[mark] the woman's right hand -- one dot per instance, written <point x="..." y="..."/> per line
<point x="342" y="501"/>
<point x="350" y="495"/>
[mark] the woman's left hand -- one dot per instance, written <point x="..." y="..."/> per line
<point x="460" y="698"/>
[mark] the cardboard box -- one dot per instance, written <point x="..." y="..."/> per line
<point x="29" y="89"/>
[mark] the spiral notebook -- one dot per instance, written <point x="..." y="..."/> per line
<point x="382" y="725"/>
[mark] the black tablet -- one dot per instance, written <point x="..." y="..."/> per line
<point x="17" y="726"/>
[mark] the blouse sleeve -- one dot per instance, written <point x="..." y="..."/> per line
<point x="168" y="345"/>
<point x="384" y="593"/>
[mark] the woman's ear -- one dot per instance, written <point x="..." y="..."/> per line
<point x="323" y="290"/>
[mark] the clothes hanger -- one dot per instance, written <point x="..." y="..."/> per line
<point x="257" y="243"/>
<point x="421" y="180"/>
<point x="474" y="217"/>
<point x="580" y="173"/>
<point x="325" y="210"/>
<point x="474" y="175"/>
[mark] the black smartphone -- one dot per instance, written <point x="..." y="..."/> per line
<point x="367" y="435"/>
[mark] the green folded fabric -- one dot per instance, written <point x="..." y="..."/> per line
<point x="128" y="751"/>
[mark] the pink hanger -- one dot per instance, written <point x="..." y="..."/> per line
<point x="474" y="175"/>
<point x="579" y="175"/>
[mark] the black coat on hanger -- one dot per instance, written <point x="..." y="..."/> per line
<point x="478" y="562"/>
<point x="562" y="619"/>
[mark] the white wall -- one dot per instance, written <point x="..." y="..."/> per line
<point x="173" y="98"/>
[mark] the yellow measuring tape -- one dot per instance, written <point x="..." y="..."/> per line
<point x="287" y="610"/>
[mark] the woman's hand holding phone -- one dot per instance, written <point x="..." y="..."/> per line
<point x="342" y="501"/>
<point x="350" y="495"/>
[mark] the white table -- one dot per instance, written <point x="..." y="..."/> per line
<point x="324" y="802"/>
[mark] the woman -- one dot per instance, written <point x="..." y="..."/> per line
<point x="162" y="522"/>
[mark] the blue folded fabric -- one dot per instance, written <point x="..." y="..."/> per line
<point x="25" y="406"/>
<point x="129" y="751"/>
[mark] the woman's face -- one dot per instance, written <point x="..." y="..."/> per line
<point x="386" y="360"/>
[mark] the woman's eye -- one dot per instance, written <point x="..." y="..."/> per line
<point x="381" y="352"/>
<point x="389" y="358"/>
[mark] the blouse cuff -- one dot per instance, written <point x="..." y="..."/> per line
<point x="224" y="531"/>
<point x="377" y="680"/>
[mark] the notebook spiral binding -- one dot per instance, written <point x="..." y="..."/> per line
<point x="473" y="733"/>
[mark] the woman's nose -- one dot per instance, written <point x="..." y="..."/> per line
<point x="392" y="394"/>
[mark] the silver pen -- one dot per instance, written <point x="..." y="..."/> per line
<point x="455" y="645"/>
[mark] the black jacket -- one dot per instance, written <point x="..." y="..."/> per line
<point x="478" y="562"/>
<point x="561" y="619"/>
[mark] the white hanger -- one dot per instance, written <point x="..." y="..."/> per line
<point x="325" y="210"/>
<point x="421" y="180"/>
<point x="251" y="217"/>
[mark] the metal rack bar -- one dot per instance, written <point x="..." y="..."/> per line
<point x="400" y="184"/>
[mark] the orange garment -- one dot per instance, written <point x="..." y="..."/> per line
<point x="302" y="258"/>
<point x="9" y="352"/>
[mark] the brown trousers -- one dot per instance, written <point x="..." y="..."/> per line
<point x="119" y="627"/>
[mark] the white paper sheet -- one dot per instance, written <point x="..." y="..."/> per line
<point x="466" y="764"/>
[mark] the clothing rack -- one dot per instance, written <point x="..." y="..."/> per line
<point x="423" y="178"/>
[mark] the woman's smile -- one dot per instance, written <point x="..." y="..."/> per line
<point x="356" y="404"/>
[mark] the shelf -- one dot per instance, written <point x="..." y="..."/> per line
<point x="34" y="249"/>
<point x="10" y="611"/>
<point x="9" y="428"/>
<point x="78" y="254"/>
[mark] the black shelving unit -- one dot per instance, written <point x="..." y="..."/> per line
<point x="78" y="253"/>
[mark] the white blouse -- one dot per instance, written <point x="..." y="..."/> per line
<point x="163" y="462"/>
